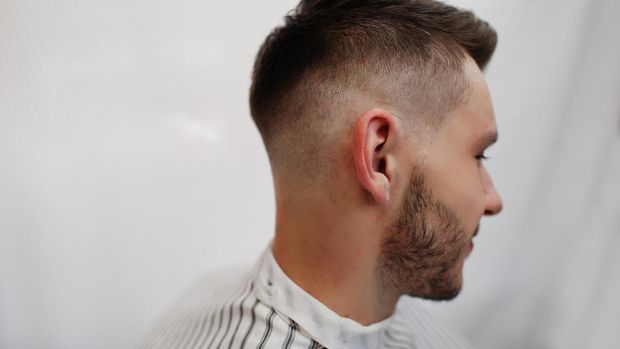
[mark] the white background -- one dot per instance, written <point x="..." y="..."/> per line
<point x="129" y="167"/>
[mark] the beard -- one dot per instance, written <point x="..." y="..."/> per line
<point x="424" y="250"/>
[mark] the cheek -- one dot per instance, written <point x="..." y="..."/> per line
<point x="472" y="202"/>
<point x="461" y="190"/>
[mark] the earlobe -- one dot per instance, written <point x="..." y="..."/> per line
<point x="375" y="136"/>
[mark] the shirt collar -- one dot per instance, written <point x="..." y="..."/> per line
<point x="275" y="289"/>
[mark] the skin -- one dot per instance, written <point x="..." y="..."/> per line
<point x="355" y="244"/>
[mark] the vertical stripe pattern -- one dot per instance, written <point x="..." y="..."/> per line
<point x="243" y="319"/>
<point x="232" y="338"/>
<point x="267" y="332"/>
<point x="290" y="336"/>
<point x="252" y="321"/>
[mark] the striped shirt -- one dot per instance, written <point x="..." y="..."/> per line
<point x="264" y="309"/>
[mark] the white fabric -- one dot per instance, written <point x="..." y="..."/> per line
<point x="266" y="309"/>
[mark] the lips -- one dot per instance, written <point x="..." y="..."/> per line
<point x="471" y="242"/>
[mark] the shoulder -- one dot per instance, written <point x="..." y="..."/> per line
<point x="222" y="311"/>
<point x="183" y="324"/>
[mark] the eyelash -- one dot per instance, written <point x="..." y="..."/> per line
<point x="482" y="157"/>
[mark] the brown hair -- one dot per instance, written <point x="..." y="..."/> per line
<point x="407" y="54"/>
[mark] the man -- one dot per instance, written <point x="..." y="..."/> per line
<point x="375" y="116"/>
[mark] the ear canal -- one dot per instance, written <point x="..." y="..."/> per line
<point x="381" y="165"/>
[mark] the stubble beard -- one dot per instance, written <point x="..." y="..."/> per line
<point x="423" y="252"/>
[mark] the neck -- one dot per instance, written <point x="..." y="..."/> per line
<point x="333" y="257"/>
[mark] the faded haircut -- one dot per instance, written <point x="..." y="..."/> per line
<point x="403" y="54"/>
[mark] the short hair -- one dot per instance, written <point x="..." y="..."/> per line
<point x="407" y="54"/>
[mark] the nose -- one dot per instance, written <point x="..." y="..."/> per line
<point x="492" y="202"/>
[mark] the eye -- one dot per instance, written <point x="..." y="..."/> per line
<point x="481" y="157"/>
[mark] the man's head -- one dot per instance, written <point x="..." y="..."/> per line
<point x="333" y="55"/>
<point x="380" y="107"/>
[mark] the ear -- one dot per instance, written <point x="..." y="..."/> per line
<point x="376" y="136"/>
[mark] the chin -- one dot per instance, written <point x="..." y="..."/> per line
<point x="441" y="290"/>
<point x="444" y="295"/>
